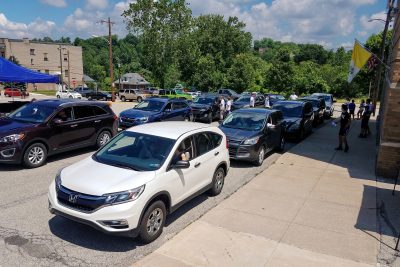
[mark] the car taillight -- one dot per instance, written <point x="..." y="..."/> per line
<point x="227" y="143"/>
<point x="115" y="117"/>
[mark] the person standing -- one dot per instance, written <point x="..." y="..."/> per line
<point x="221" y="107"/>
<point x="345" y="120"/>
<point x="365" y="131"/>
<point x="360" y="109"/>
<point x="228" y="106"/>
<point x="352" y="108"/>
<point x="293" y="96"/>
<point x="252" y="100"/>
<point x="266" y="103"/>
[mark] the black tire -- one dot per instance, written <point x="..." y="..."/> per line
<point x="260" y="156"/>
<point x="139" y="99"/>
<point x="35" y="155"/>
<point x="281" y="145"/>
<point x="103" y="138"/>
<point x="210" y="117"/>
<point x="218" y="182"/>
<point x="123" y="98"/>
<point x="152" y="223"/>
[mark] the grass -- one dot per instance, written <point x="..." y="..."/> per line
<point x="45" y="92"/>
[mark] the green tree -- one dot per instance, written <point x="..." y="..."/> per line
<point x="279" y="77"/>
<point x="308" y="79"/>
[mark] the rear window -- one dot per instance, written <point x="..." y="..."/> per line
<point x="83" y="112"/>
<point x="99" y="111"/>
<point x="216" y="138"/>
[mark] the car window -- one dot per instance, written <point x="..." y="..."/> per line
<point x="64" y="115"/>
<point x="83" y="112"/>
<point x="216" y="138"/>
<point x="168" y="107"/>
<point x="185" y="150"/>
<point x="32" y="112"/>
<point x="99" y="111"/>
<point x="203" y="143"/>
<point x="179" y="105"/>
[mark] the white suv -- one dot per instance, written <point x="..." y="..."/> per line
<point x="131" y="184"/>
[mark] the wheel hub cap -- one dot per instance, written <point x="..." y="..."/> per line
<point x="154" y="221"/>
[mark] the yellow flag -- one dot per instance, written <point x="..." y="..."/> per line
<point x="359" y="57"/>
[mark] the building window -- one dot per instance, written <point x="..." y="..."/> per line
<point x="45" y="58"/>
<point x="32" y="52"/>
<point x="31" y="61"/>
<point x="46" y="71"/>
<point x="66" y="73"/>
<point x="65" y="57"/>
<point x="38" y="70"/>
<point x="2" y="54"/>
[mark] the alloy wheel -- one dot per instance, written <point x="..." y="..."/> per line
<point x="36" y="155"/>
<point x="219" y="180"/>
<point x="154" y="221"/>
<point x="261" y="156"/>
<point x="104" y="138"/>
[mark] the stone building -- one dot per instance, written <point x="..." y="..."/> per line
<point x="388" y="159"/>
<point x="47" y="58"/>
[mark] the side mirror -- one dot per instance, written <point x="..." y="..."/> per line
<point x="181" y="164"/>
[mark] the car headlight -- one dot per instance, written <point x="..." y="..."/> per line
<point x="124" y="196"/>
<point x="251" y="141"/>
<point x="143" y="119"/>
<point x="58" y="180"/>
<point x="12" y="138"/>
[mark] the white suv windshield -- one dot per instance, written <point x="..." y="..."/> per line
<point x="140" y="152"/>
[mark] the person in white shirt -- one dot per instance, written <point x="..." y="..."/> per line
<point x="266" y="103"/>
<point x="252" y="101"/>
<point x="228" y="106"/>
<point x="221" y="107"/>
<point x="293" y="96"/>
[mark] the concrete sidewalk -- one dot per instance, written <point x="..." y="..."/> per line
<point x="314" y="207"/>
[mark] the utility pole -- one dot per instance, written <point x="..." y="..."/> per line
<point x="375" y="92"/>
<point x="61" y="66"/>
<point x="110" y="23"/>
<point x="69" y="72"/>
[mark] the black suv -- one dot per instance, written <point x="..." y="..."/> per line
<point x="46" y="127"/>
<point x="205" y="108"/>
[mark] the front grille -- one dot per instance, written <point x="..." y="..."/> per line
<point x="234" y="141"/>
<point x="82" y="202"/>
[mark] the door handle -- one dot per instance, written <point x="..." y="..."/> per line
<point x="197" y="164"/>
<point x="97" y="121"/>
<point x="216" y="153"/>
<point x="74" y="125"/>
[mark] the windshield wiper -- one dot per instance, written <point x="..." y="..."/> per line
<point x="124" y="166"/>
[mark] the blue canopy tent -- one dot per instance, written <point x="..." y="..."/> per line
<point x="10" y="72"/>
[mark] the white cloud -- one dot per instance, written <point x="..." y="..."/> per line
<point x="37" y="28"/>
<point x="96" y="4"/>
<point x="373" y="23"/>
<point x="347" y="45"/>
<point x="55" y="3"/>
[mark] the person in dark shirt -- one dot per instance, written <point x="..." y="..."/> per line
<point x="345" y="120"/>
<point x="365" y="119"/>
<point x="352" y="108"/>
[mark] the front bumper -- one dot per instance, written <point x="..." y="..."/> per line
<point x="243" y="152"/>
<point x="201" y="116"/>
<point x="127" y="212"/>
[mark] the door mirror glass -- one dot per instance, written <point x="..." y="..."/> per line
<point x="181" y="164"/>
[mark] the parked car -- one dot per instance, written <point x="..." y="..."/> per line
<point x="141" y="176"/>
<point x="329" y="108"/>
<point x="64" y="93"/>
<point x="10" y="92"/>
<point x="298" y="118"/>
<point x="46" y="127"/>
<point x="132" y="94"/>
<point x="99" y="95"/>
<point x="244" y="102"/>
<point x="228" y="92"/>
<point x="273" y="98"/>
<point x="318" y="105"/>
<point x="155" y="109"/>
<point x="205" y="108"/>
<point x="252" y="133"/>
<point x="83" y="91"/>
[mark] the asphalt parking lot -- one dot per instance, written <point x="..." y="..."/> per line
<point x="30" y="235"/>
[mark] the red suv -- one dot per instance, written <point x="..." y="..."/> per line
<point x="13" y="92"/>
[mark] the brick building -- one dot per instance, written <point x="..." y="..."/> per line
<point x="45" y="57"/>
<point x="388" y="160"/>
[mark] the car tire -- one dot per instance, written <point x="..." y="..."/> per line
<point x="139" y="99"/>
<point x="35" y="155"/>
<point x="152" y="223"/>
<point x="123" y="98"/>
<point x="71" y="97"/>
<point x="260" y="157"/>
<point x="281" y="146"/>
<point x="103" y="138"/>
<point x="218" y="182"/>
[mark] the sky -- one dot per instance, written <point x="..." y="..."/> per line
<point x="331" y="23"/>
